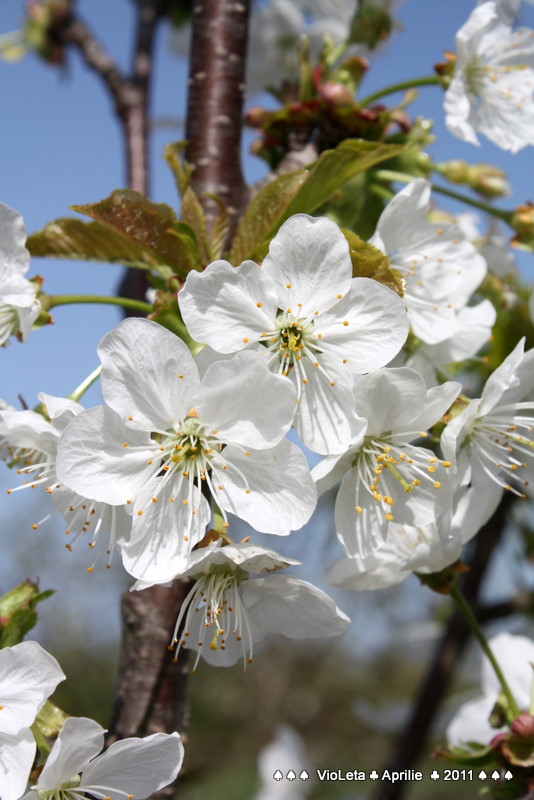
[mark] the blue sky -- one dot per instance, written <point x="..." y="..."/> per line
<point x="60" y="145"/>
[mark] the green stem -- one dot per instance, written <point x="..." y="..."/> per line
<point x="402" y="177"/>
<point x="472" y="621"/>
<point x="84" y="385"/>
<point x="429" y="80"/>
<point x="52" y="300"/>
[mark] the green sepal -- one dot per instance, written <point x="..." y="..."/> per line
<point x="167" y="314"/>
<point x="303" y="191"/>
<point x="17" y="612"/>
<point x="478" y="755"/>
<point x="500" y="712"/>
<point x="518" y="750"/>
<point x="146" y="223"/>
<point x="47" y="725"/>
<point x="369" y="262"/>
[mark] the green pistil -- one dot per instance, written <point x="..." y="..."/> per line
<point x="396" y="474"/>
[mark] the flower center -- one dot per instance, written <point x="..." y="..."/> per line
<point x="500" y="443"/>
<point x="213" y="613"/>
<point x="9" y="322"/>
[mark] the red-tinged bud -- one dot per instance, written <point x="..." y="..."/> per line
<point x="257" y="116"/>
<point x="523" y="725"/>
<point x="336" y="94"/>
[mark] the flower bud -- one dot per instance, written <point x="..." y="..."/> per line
<point x="488" y="180"/>
<point x="335" y="94"/>
<point x="456" y="171"/>
<point x="523" y="725"/>
<point x="522" y="221"/>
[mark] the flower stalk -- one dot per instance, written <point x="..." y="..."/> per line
<point x="52" y="300"/>
<point x="465" y="609"/>
<point x="413" y="83"/>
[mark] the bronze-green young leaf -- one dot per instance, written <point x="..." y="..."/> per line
<point x="303" y="191"/>
<point x="369" y="262"/>
<point x="89" y="241"/>
<point x="145" y="222"/>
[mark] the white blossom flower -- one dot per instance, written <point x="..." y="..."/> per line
<point x="170" y="434"/>
<point x="384" y="477"/>
<point x="226" y="613"/>
<point x="130" y="768"/>
<point x="425" y="549"/>
<point x="492" y="437"/>
<point x="310" y="319"/>
<point x="515" y="656"/>
<point x="491" y="90"/>
<point x="441" y="268"/>
<point x="473" y="331"/>
<point x="29" y="442"/>
<point x="283" y="754"/>
<point x="19" y="307"/>
<point x="28" y="675"/>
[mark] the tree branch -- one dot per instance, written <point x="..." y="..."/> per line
<point x="215" y="103"/>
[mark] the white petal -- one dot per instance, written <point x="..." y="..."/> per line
<point x="225" y="305"/>
<point x="148" y="374"/>
<point x="136" y="767"/>
<point x="79" y="740"/>
<point x="368" y="326"/>
<point x="515" y="656"/>
<point x="245" y="402"/>
<point x="471" y="723"/>
<point x="503" y="378"/>
<point x="291" y="607"/>
<point x="384" y="568"/>
<point x="28" y="675"/>
<point x="325" y="418"/>
<point x="390" y="399"/>
<point x="438" y="401"/>
<point x="309" y="262"/>
<point x="102" y="459"/>
<point x="16" y="759"/>
<point x="162" y="537"/>
<point x="60" y="409"/>
<point x="281" y="494"/>
<point x="13" y="254"/>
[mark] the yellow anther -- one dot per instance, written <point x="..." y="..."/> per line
<point x="154" y="499"/>
<point x="345" y="322"/>
<point x="125" y="444"/>
<point x="259" y="305"/>
<point x="389" y="517"/>
<point x="437" y="485"/>
<point x="359" y="509"/>
<point x="139" y="513"/>
<point x="447" y="464"/>
<point x="431" y="469"/>
<point x="424" y="434"/>
<point x="245" y="340"/>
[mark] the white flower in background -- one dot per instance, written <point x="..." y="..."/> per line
<point x="285" y="753"/>
<point x="531" y="305"/>
<point x="275" y="29"/>
<point x="493" y="245"/>
<point x="131" y="768"/>
<point x="307" y="315"/>
<point x="491" y="438"/>
<point x="171" y="433"/>
<point x="28" y="676"/>
<point x="509" y="8"/>
<point x="515" y="656"/>
<point x="473" y="330"/>
<point x="427" y="549"/>
<point x="19" y="307"/>
<point x="29" y="442"/>
<point x="384" y="477"/>
<point x="226" y="612"/>
<point x="491" y="90"/>
<point x="440" y="267"/>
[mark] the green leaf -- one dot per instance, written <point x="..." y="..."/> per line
<point x="17" y="612"/>
<point x="89" y="241"/>
<point x="219" y="233"/>
<point x="303" y="191"/>
<point x="264" y="214"/>
<point x="335" y="167"/>
<point x="369" y="262"/>
<point x="145" y="222"/>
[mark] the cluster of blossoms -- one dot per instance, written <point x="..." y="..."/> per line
<point x="131" y="768"/>
<point x="182" y="444"/>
